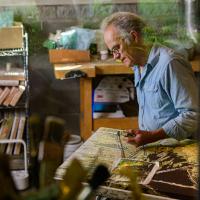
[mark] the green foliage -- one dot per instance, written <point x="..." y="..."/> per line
<point x="36" y="38"/>
<point x="32" y="27"/>
<point x="27" y="14"/>
<point x="152" y="9"/>
<point x="101" y="10"/>
<point x="98" y="11"/>
<point x="165" y="19"/>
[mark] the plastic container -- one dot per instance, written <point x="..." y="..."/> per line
<point x="71" y="146"/>
<point x="104" y="54"/>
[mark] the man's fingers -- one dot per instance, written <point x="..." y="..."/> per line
<point x="131" y="140"/>
<point x="137" y="132"/>
<point x="130" y="133"/>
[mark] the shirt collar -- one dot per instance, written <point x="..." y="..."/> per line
<point x="154" y="55"/>
<point x="153" y="59"/>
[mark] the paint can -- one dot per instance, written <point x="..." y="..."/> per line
<point x="71" y="146"/>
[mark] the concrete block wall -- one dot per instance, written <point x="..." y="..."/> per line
<point x="62" y="16"/>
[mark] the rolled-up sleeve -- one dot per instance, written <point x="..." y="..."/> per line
<point x="180" y="85"/>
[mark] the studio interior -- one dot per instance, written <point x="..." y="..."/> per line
<point x="99" y="99"/>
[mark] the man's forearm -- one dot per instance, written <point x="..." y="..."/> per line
<point x="142" y="137"/>
<point x="158" y="134"/>
<point x="183" y="126"/>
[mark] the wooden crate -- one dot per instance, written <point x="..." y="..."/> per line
<point x="11" y="37"/>
<point x="68" y="56"/>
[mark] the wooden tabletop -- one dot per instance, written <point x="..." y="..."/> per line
<point x="104" y="68"/>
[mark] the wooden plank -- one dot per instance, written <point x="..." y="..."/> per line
<point x="68" y="56"/>
<point x="119" y="123"/>
<point x="60" y="70"/>
<point x="85" y="107"/>
<point x="112" y="68"/>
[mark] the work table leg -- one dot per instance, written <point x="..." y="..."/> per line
<point x="85" y="108"/>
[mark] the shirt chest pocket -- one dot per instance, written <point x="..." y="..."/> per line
<point x="152" y="96"/>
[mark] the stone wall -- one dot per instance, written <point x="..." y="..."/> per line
<point x="63" y="16"/>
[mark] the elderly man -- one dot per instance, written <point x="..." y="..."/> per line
<point x="164" y="81"/>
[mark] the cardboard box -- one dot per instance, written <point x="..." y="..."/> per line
<point x="111" y="95"/>
<point x="11" y="37"/>
<point x="114" y="90"/>
<point x="68" y="56"/>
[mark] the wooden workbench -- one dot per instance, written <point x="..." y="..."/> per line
<point x="92" y="69"/>
<point x="178" y="172"/>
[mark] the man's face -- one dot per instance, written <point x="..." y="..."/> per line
<point x="127" y="53"/>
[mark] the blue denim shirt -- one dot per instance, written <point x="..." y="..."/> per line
<point x="167" y="94"/>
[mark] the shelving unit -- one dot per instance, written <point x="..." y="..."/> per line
<point x="22" y="106"/>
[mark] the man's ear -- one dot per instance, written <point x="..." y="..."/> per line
<point x="135" y="36"/>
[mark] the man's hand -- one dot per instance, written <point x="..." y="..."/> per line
<point x="140" y="137"/>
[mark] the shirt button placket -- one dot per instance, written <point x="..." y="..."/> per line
<point x="142" y="108"/>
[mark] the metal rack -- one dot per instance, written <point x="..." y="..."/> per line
<point x="21" y="52"/>
<point x="20" y="177"/>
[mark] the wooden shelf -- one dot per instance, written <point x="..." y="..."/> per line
<point x="118" y="123"/>
<point x="60" y="70"/>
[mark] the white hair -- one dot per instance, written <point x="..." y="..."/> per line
<point x="124" y="22"/>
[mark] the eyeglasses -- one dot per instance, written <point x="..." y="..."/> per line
<point x="115" y="50"/>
